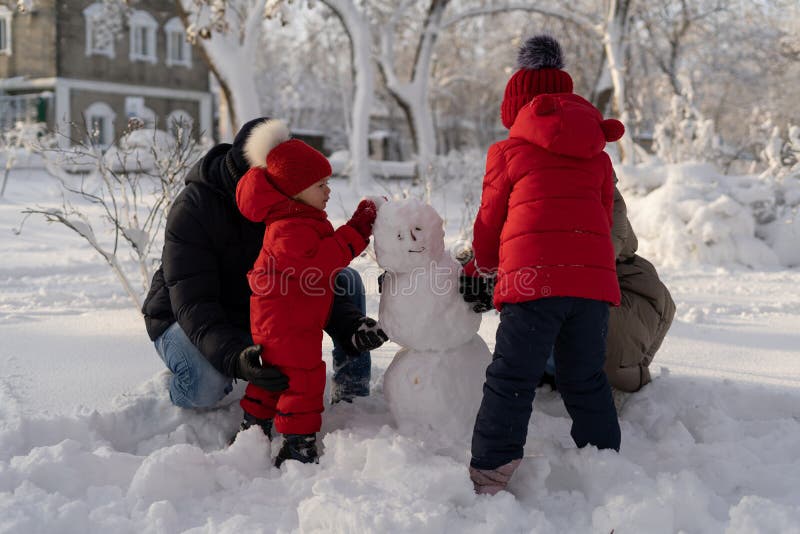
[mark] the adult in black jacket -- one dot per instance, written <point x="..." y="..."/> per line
<point x="197" y="311"/>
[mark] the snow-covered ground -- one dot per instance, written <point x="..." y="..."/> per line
<point x="89" y="441"/>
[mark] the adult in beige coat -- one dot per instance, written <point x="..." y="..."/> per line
<point x="637" y="327"/>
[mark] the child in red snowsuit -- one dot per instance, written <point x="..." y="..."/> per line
<point x="544" y="227"/>
<point x="292" y="278"/>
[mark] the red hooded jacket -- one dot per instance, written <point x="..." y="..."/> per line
<point x="292" y="278"/>
<point x="546" y="211"/>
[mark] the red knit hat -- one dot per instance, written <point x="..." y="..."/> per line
<point x="539" y="63"/>
<point x="291" y="164"/>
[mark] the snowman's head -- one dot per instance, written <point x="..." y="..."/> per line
<point x="408" y="235"/>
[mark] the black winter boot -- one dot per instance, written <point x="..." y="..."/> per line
<point x="300" y="447"/>
<point x="250" y="420"/>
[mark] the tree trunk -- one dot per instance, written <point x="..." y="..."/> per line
<point x="413" y="97"/>
<point x="603" y="91"/>
<point x="229" y="57"/>
<point x="614" y="43"/>
<point x="5" y="181"/>
<point x="358" y="29"/>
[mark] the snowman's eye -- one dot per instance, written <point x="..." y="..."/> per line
<point x="400" y="237"/>
<point x="418" y="229"/>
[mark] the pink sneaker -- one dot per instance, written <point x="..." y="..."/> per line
<point x="492" y="481"/>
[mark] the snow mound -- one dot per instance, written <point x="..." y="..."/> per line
<point x="698" y="216"/>
<point x="697" y="456"/>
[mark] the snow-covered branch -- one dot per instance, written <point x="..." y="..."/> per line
<point x="413" y="95"/>
<point x="571" y="17"/>
<point x="118" y="200"/>
<point x="358" y="28"/>
<point x="228" y="33"/>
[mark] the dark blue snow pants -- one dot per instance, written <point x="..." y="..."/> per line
<point x="575" y="330"/>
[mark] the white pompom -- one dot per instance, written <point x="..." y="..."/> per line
<point x="264" y="138"/>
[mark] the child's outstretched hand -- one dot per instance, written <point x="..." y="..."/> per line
<point x="477" y="291"/>
<point x="363" y="218"/>
<point x="368" y="335"/>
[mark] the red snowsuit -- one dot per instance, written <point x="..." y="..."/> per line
<point x="546" y="209"/>
<point x="292" y="294"/>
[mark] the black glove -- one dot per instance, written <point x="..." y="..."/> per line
<point x="478" y="291"/>
<point x="368" y="335"/>
<point x="248" y="366"/>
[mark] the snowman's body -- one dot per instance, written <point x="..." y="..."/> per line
<point x="417" y="307"/>
<point x="435" y="382"/>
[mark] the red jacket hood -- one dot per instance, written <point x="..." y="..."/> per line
<point x="260" y="201"/>
<point x="565" y="124"/>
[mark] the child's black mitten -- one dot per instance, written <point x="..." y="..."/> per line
<point x="368" y="335"/>
<point x="477" y="291"/>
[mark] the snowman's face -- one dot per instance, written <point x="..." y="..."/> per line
<point x="408" y="235"/>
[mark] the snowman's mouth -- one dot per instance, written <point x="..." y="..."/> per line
<point x="418" y="251"/>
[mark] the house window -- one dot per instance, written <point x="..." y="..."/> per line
<point x="99" y="34"/>
<point x="143" y="36"/>
<point x="5" y="30"/>
<point x="179" y="51"/>
<point x="99" y="119"/>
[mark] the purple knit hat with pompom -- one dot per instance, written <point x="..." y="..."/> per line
<point x="539" y="62"/>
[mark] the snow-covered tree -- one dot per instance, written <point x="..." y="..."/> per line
<point x="357" y="26"/>
<point x="229" y="35"/>
<point x="611" y="35"/>
<point x="684" y="134"/>
<point x="725" y="58"/>
<point x="313" y="94"/>
<point x="412" y="92"/>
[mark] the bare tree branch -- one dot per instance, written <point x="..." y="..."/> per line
<point x="568" y="16"/>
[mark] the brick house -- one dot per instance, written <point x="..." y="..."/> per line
<point x="61" y="64"/>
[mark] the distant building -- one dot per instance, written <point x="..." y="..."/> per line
<point x="62" y="63"/>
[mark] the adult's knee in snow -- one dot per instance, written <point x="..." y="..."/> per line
<point x="192" y="390"/>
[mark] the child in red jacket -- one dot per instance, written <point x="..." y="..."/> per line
<point x="544" y="228"/>
<point x="292" y="278"/>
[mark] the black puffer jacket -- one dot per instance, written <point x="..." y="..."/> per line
<point x="208" y="249"/>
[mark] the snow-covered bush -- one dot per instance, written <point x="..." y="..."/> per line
<point x="16" y="143"/>
<point x="780" y="214"/>
<point x="140" y="150"/>
<point x="700" y="216"/>
<point x="684" y="134"/>
<point x="118" y="199"/>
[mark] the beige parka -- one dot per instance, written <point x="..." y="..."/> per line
<point x="638" y="326"/>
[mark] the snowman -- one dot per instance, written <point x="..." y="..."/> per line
<point x="434" y="383"/>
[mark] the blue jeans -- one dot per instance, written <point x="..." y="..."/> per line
<point x="351" y="375"/>
<point x="195" y="383"/>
